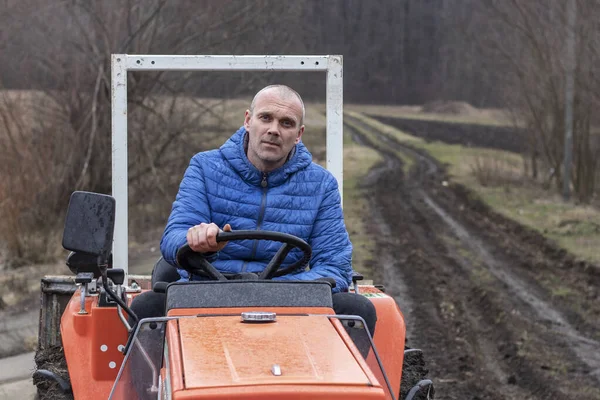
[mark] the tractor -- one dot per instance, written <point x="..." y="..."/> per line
<point x="220" y="338"/>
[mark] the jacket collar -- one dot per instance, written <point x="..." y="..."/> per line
<point x="235" y="153"/>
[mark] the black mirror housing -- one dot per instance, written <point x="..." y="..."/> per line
<point x="89" y="224"/>
<point x="84" y="262"/>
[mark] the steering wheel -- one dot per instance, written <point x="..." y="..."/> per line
<point x="196" y="263"/>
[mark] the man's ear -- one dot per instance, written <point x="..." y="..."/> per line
<point x="300" y="132"/>
<point x="247" y="117"/>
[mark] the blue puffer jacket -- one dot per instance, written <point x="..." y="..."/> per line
<point x="300" y="198"/>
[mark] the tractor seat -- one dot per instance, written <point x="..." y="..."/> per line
<point x="164" y="272"/>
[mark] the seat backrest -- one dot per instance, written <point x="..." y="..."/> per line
<point x="164" y="272"/>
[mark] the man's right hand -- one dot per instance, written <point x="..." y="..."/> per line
<point x="203" y="238"/>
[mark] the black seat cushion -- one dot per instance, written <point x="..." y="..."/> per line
<point x="164" y="272"/>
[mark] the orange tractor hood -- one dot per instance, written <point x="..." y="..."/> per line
<point x="298" y="352"/>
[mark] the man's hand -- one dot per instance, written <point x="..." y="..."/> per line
<point x="203" y="238"/>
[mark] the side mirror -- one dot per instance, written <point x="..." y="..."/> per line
<point x="83" y="262"/>
<point x="89" y="225"/>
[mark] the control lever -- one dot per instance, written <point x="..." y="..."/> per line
<point x="117" y="276"/>
<point x="83" y="278"/>
<point x="355" y="278"/>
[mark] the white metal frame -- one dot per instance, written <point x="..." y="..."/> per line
<point x="122" y="63"/>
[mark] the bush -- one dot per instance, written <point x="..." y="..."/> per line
<point x="31" y="179"/>
<point x="492" y="172"/>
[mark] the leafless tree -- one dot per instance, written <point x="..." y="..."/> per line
<point x="65" y="135"/>
<point x="529" y="39"/>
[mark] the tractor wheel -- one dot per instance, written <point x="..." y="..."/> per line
<point x="51" y="361"/>
<point x="414" y="384"/>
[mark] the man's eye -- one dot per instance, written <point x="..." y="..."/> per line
<point x="264" y="117"/>
<point x="287" y="124"/>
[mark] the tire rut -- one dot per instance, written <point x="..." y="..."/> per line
<point x="390" y="270"/>
<point x="488" y="331"/>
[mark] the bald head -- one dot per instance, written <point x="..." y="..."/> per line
<point x="274" y="123"/>
<point x="282" y="91"/>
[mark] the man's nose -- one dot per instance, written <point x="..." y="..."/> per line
<point x="274" y="128"/>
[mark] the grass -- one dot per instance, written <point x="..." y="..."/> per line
<point x="407" y="161"/>
<point x="358" y="160"/>
<point x="573" y="227"/>
<point x="479" y="116"/>
<point x="17" y="286"/>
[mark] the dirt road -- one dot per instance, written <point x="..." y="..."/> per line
<point x="480" y="293"/>
<point x="15" y="377"/>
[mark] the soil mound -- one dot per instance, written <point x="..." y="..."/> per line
<point x="51" y="359"/>
<point x="450" y="107"/>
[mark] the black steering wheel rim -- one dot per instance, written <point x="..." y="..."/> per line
<point x="196" y="263"/>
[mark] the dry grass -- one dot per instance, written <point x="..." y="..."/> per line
<point x="358" y="160"/>
<point x="28" y="150"/>
<point x="17" y="286"/>
<point x="473" y="116"/>
<point x="386" y="129"/>
<point x="227" y="114"/>
<point x="495" y="170"/>
<point x="574" y="227"/>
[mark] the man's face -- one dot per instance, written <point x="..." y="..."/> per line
<point x="273" y="129"/>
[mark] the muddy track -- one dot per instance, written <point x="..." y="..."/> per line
<point x="476" y="289"/>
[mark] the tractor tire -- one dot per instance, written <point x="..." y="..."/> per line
<point x="414" y="373"/>
<point x="51" y="359"/>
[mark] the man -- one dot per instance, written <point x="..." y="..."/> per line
<point x="263" y="178"/>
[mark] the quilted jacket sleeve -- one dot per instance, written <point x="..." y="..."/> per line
<point x="190" y="208"/>
<point x="332" y="250"/>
